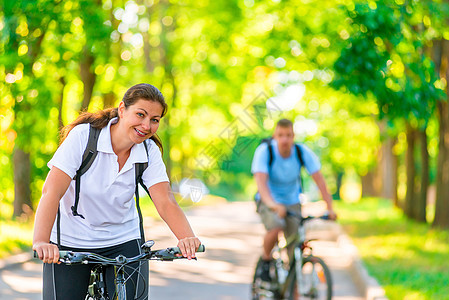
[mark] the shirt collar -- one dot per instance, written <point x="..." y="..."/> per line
<point x="138" y="152"/>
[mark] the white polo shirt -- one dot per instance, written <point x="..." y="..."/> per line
<point x="106" y="195"/>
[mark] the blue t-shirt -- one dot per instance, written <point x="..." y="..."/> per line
<point x="283" y="175"/>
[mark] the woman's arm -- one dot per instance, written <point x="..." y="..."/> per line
<point x="171" y="213"/>
<point x="54" y="188"/>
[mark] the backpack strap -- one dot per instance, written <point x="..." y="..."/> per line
<point x="301" y="160"/>
<point x="270" y="151"/>
<point x="299" y="153"/>
<point x="88" y="158"/>
<point x="140" y="168"/>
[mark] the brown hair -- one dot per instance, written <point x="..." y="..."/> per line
<point x="101" y="118"/>
<point x="284" y="123"/>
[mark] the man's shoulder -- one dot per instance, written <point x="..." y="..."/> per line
<point x="263" y="145"/>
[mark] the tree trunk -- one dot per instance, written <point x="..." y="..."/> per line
<point x="394" y="170"/>
<point x="338" y="183"/>
<point x="109" y="100"/>
<point x="442" y="191"/>
<point x="22" y="194"/>
<point x="61" y="102"/>
<point x="387" y="166"/>
<point x="388" y="170"/>
<point x="88" y="77"/>
<point x="410" y="170"/>
<point x="169" y="79"/>
<point x="368" y="188"/>
<point x="421" y="203"/>
<point x="441" y="59"/>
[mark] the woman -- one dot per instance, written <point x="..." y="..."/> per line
<point x="109" y="224"/>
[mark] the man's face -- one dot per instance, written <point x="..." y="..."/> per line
<point x="285" y="137"/>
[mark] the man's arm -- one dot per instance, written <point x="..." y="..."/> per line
<point x="265" y="194"/>
<point x="319" y="180"/>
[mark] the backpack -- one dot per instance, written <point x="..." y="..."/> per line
<point x="271" y="155"/>
<point x="88" y="158"/>
<point x="271" y="160"/>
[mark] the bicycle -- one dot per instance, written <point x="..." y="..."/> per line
<point x="307" y="275"/>
<point x="97" y="287"/>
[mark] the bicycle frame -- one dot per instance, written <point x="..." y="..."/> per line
<point x="119" y="262"/>
<point x="284" y="288"/>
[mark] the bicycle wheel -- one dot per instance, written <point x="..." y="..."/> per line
<point x="316" y="280"/>
<point x="261" y="290"/>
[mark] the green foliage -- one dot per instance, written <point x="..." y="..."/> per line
<point x="386" y="56"/>
<point x="217" y="63"/>
<point x="407" y="258"/>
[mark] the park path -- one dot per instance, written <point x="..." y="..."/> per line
<point x="232" y="234"/>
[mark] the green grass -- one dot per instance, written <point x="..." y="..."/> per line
<point x="409" y="259"/>
<point x="15" y="237"/>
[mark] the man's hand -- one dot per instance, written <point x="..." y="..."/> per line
<point x="332" y="215"/>
<point x="280" y="209"/>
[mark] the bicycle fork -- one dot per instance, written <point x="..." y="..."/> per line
<point x="120" y="287"/>
<point x="298" y="269"/>
<point x="97" y="286"/>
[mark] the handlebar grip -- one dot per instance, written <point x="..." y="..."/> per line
<point x="62" y="253"/>
<point x="201" y="248"/>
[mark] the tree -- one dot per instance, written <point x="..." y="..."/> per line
<point x="441" y="52"/>
<point x="385" y="58"/>
<point x="24" y="32"/>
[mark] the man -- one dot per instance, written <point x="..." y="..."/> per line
<point x="279" y="186"/>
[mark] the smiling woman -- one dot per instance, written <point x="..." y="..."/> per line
<point x="98" y="213"/>
<point x="137" y="93"/>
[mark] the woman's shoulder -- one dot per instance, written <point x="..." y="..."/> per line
<point x="79" y="132"/>
<point x="152" y="147"/>
<point x="81" y="128"/>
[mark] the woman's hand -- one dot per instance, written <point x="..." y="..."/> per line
<point x="188" y="246"/>
<point x="48" y="253"/>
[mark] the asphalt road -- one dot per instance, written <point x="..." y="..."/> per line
<point x="232" y="234"/>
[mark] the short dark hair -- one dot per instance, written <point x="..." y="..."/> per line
<point x="285" y="123"/>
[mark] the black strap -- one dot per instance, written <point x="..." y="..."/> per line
<point x="271" y="155"/>
<point x="299" y="153"/>
<point x="140" y="168"/>
<point x="88" y="158"/>
<point x="58" y="229"/>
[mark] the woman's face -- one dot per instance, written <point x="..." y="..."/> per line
<point x="140" y="120"/>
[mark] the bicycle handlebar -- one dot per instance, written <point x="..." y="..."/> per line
<point x="168" y="254"/>
<point x="307" y="218"/>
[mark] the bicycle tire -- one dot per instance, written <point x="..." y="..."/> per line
<point x="316" y="280"/>
<point x="260" y="293"/>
